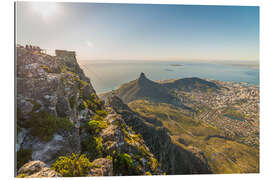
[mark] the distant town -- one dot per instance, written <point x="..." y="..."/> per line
<point x="234" y="108"/>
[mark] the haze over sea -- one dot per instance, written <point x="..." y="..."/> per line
<point x="109" y="75"/>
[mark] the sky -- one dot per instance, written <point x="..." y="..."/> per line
<point x="140" y="31"/>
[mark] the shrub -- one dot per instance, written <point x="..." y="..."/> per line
<point x="94" y="103"/>
<point x="97" y="124"/>
<point x="72" y="101"/>
<point x="83" y="105"/>
<point x="45" y="68"/>
<point x="82" y="83"/>
<point x="123" y="164"/>
<point x="154" y="163"/>
<point x="93" y="146"/>
<point x="102" y="113"/>
<point x="23" y="156"/>
<point x="73" y="165"/>
<point x="21" y="176"/>
<point x="109" y="157"/>
<point x="44" y="125"/>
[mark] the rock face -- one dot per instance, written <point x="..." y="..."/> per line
<point x="55" y="104"/>
<point x="36" y="169"/>
<point x="59" y="113"/>
<point x="102" y="167"/>
<point x="173" y="159"/>
<point x="120" y="139"/>
<point x="50" y="90"/>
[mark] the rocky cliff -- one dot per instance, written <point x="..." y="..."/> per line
<point x="173" y="159"/>
<point x="61" y="122"/>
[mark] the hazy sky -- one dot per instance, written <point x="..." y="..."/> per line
<point x="141" y="32"/>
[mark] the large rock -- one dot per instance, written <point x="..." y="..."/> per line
<point x="49" y="84"/>
<point x="37" y="169"/>
<point x="102" y="167"/>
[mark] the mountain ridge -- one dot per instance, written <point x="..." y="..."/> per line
<point x="144" y="88"/>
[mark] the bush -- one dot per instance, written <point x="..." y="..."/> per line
<point x="97" y="124"/>
<point x="21" y="176"/>
<point x="83" y="105"/>
<point x="154" y="163"/>
<point x="45" y="68"/>
<point x="72" y="101"/>
<point x="23" y="156"/>
<point x="93" y="146"/>
<point x="44" y="125"/>
<point x="123" y="164"/>
<point x="109" y="157"/>
<point x="72" y="165"/>
<point x="102" y="113"/>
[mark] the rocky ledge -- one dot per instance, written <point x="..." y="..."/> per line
<point x="62" y="122"/>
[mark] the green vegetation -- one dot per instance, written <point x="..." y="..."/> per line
<point x="72" y="101"/>
<point x="234" y="114"/>
<point x="83" y="105"/>
<point x="46" y="68"/>
<point x="97" y="124"/>
<point x="23" y="156"/>
<point x="36" y="105"/>
<point x="153" y="163"/>
<point x="94" y="103"/>
<point x="224" y="154"/>
<point x="93" y="147"/>
<point x="102" y="113"/>
<point x="44" y="125"/>
<point x="73" y="165"/>
<point x="109" y="157"/>
<point x="123" y="164"/>
<point x="21" y="176"/>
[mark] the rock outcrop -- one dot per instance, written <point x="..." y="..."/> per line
<point x="50" y="95"/>
<point x="36" y="169"/>
<point x="102" y="167"/>
<point x="59" y="114"/>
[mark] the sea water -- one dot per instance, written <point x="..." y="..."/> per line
<point x="109" y="75"/>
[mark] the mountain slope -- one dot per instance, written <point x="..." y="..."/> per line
<point x="60" y="120"/>
<point x="173" y="158"/>
<point x="224" y="152"/>
<point x="191" y="84"/>
<point x="142" y="88"/>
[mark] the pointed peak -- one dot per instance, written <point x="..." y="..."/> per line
<point x="142" y="75"/>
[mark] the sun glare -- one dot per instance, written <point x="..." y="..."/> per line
<point x="46" y="10"/>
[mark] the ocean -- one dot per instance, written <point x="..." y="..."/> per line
<point x="108" y="75"/>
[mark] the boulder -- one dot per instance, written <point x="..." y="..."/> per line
<point x="102" y="167"/>
<point x="37" y="169"/>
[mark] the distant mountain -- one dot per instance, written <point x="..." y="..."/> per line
<point x="142" y="88"/>
<point x="191" y="84"/>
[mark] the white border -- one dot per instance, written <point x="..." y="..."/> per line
<point x="7" y="85"/>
